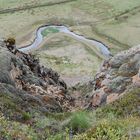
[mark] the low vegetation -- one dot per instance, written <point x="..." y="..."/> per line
<point x="15" y="130"/>
<point x="117" y="121"/>
<point x="124" y="107"/>
<point x="79" y="122"/>
<point x="49" y="30"/>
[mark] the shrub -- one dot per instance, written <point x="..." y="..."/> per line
<point x="26" y="116"/>
<point x="80" y="121"/>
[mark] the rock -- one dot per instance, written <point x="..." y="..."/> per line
<point x="36" y="85"/>
<point x="136" y="80"/>
<point x="139" y="72"/>
<point x="128" y="69"/>
<point x="99" y="98"/>
<point x="15" y="72"/>
<point x="5" y="64"/>
<point x="113" y="72"/>
<point x="124" y="57"/>
<point x="118" y="60"/>
<point x="117" y="75"/>
<point x="119" y="84"/>
<point x="136" y="57"/>
<point x="112" y="97"/>
<point x="105" y="82"/>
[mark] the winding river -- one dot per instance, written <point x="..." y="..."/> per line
<point x="63" y="29"/>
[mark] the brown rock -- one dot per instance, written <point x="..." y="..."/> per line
<point x="46" y="98"/>
<point x="99" y="98"/>
<point x="112" y="97"/>
<point x="136" y="80"/>
<point x="15" y="72"/>
<point x="107" y="90"/>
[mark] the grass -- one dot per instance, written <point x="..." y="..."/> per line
<point x="79" y="122"/>
<point x="119" y="129"/>
<point x="99" y="15"/>
<point x="26" y="116"/>
<point x="126" y="106"/>
<point x="116" y="121"/>
<point x="122" y="6"/>
<point x="60" y="64"/>
<point x="14" y="130"/>
<point x="10" y="4"/>
<point x="49" y="30"/>
<point x="68" y="56"/>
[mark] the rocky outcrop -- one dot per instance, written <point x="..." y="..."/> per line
<point x="116" y="76"/>
<point x="23" y="78"/>
<point x="26" y="77"/>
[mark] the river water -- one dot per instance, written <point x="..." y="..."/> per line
<point x="63" y="29"/>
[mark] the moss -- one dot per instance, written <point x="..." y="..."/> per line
<point x="8" y="107"/>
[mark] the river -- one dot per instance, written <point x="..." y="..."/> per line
<point x="63" y="29"/>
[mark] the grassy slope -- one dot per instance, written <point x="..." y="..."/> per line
<point x="95" y="13"/>
<point x="10" y="4"/>
<point x="119" y="120"/>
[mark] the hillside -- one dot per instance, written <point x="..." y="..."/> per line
<point x="34" y="99"/>
<point x="69" y="70"/>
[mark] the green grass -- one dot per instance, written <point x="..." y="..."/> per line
<point x="26" y="116"/>
<point x="122" y="6"/>
<point x="49" y="30"/>
<point x="80" y="121"/>
<point x="68" y="56"/>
